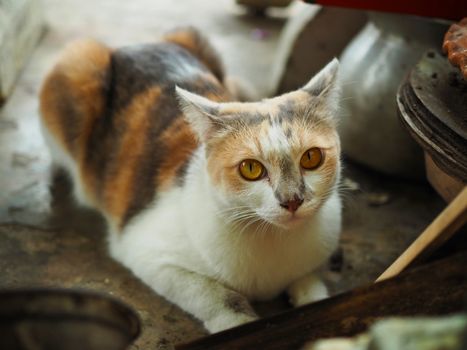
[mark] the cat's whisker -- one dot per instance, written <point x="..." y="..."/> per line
<point x="249" y="224"/>
<point x="234" y="207"/>
<point x="350" y="82"/>
<point x="240" y="218"/>
<point x="263" y="228"/>
<point x="347" y="98"/>
<point x="238" y="215"/>
<point x="227" y="211"/>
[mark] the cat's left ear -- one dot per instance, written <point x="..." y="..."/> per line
<point x="324" y="85"/>
<point x="200" y="112"/>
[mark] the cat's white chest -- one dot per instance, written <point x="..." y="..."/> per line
<point x="261" y="265"/>
<point x="268" y="266"/>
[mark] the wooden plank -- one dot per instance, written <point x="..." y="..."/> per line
<point x="435" y="289"/>
<point x="439" y="231"/>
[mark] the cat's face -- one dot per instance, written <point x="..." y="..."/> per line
<point x="276" y="160"/>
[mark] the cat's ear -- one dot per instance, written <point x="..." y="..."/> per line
<point x="200" y="112"/>
<point x="324" y="85"/>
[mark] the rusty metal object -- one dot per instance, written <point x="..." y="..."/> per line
<point x="433" y="105"/>
<point x="455" y="45"/>
<point x="64" y="319"/>
<point x="447" y="186"/>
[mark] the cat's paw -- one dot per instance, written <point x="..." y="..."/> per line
<point x="225" y="321"/>
<point x="307" y="290"/>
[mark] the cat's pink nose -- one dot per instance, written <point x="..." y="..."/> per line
<point x="293" y="204"/>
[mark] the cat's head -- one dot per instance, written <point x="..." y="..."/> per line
<point x="276" y="160"/>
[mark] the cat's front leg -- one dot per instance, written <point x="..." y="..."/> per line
<point x="217" y="306"/>
<point x="307" y="289"/>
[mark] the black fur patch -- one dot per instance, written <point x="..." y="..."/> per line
<point x="287" y="111"/>
<point x="181" y="173"/>
<point x="133" y="71"/>
<point x="239" y="304"/>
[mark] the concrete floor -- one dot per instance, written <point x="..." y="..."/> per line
<point x="45" y="240"/>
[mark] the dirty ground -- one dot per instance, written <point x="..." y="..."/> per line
<point x="45" y="240"/>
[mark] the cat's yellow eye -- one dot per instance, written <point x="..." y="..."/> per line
<point x="251" y="169"/>
<point x="312" y="158"/>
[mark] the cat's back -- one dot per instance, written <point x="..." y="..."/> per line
<point x="113" y="118"/>
<point x="137" y="69"/>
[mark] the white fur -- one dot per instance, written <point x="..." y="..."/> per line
<point x="276" y="141"/>
<point x="182" y="232"/>
<point x="306" y="290"/>
<point x="60" y="158"/>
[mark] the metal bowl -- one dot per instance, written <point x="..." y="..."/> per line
<point x="55" y="319"/>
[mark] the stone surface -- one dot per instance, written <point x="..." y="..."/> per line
<point x="46" y="240"/>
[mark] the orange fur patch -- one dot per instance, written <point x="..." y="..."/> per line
<point x="183" y="38"/>
<point x="118" y="187"/>
<point x="192" y="40"/>
<point x="78" y="80"/>
<point x="180" y="141"/>
<point x="223" y="162"/>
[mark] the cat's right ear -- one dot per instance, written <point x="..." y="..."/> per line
<point x="325" y="87"/>
<point x="201" y="113"/>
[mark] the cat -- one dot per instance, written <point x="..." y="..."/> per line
<point x="212" y="203"/>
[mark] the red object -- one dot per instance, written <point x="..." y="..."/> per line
<point x="455" y="45"/>
<point x="447" y="9"/>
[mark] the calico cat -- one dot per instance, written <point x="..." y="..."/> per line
<point x="210" y="202"/>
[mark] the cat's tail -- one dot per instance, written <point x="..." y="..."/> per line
<point x="192" y="40"/>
